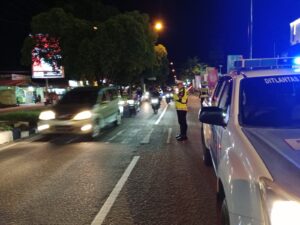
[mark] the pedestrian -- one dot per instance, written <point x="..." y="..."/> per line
<point x="181" y="99"/>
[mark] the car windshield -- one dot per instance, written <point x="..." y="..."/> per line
<point x="270" y="102"/>
<point x="82" y="96"/>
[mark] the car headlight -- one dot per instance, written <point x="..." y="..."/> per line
<point x="281" y="208"/>
<point x="130" y="102"/>
<point x="154" y="100"/>
<point x="83" y="115"/>
<point x="47" y="115"/>
<point x="121" y="102"/>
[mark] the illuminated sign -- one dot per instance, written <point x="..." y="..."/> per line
<point x="46" y="56"/>
<point x="41" y="69"/>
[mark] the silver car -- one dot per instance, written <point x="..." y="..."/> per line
<point x="83" y="110"/>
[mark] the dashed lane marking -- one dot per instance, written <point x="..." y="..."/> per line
<point x="161" y="115"/>
<point x="100" y="217"/>
<point x="169" y="136"/>
<point x="146" y="139"/>
<point x="118" y="134"/>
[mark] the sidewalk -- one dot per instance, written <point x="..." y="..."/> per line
<point x="23" y="107"/>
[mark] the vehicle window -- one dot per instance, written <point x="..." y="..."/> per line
<point x="218" y="90"/>
<point x="104" y="97"/>
<point x="270" y="102"/>
<point x="225" y="99"/>
<point x="114" y="94"/>
<point x="83" y="96"/>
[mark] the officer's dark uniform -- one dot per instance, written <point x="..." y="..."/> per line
<point x="181" y="100"/>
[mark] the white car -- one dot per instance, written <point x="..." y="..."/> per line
<point x="252" y="134"/>
<point x="83" y="110"/>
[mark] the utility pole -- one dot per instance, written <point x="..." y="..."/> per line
<point x="251" y="30"/>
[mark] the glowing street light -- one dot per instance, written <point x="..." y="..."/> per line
<point x="158" y="26"/>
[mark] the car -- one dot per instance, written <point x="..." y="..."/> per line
<point x="82" y="110"/>
<point x="252" y="135"/>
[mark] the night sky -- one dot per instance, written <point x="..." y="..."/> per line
<point x="208" y="29"/>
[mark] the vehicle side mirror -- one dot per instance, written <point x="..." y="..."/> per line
<point x="212" y="115"/>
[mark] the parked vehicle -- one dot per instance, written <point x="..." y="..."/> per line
<point x="251" y="133"/>
<point x="83" y="110"/>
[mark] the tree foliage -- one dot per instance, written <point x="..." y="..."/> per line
<point x="192" y="67"/>
<point x="93" y="46"/>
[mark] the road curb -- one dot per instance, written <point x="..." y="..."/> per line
<point x="15" y="134"/>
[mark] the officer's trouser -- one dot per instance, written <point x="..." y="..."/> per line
<point x="181" y="114"/>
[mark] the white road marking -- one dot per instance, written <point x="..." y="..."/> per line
<point x="146" y="139"/>
<point x="118" y="134"/>
<point x="8" y="146"/>
<point x="98" y="220"/>
<point x="169" y="135"/>
<point x="161" y="115"/>
<point x="24" y="141"/>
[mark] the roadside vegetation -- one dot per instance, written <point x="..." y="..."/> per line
<point x="9" y="119"/>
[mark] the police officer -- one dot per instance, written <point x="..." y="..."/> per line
<point x="181" y="99"/>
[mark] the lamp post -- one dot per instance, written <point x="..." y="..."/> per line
<point x="220" y="68"/>
<point x="251" y="30"/>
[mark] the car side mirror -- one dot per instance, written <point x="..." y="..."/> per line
<point x="212" y="115"/>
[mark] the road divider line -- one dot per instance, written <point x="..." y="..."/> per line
<point x="161" y="115"/>
<point x="100" y="217"/>
<point x="169" y="136"/>
<point x="8" y="146"/>
<point x="118" y="134"/>
<point x="146" y="139"/>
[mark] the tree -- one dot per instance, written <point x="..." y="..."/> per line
<point x="119" y="48"/>
<point x="161" y="67"/>
<point x="125" y="47"/>
<point x="192" y="67"/>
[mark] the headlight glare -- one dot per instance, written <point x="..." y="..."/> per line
<point x="154" y="101"/>
<point x="281" y="208"/>
<point x="47" y="115"/>
<point x="130" y="102"/>
<point x="83" y="115"/>
<point x="285" y="212"/>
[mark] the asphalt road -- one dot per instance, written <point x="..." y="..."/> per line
<point x="136" y="173"/>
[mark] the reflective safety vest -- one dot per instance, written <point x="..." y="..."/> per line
<point x="181" y="99"/>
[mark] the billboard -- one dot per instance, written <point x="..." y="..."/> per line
<point x="46" y="56"/>
<point x="212" y="77"/>
<point x="295" y="32"/>
<point x="42" y="69"/>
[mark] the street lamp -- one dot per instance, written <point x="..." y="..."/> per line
<point x="158" y="26"/>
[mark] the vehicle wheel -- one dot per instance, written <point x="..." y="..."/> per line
<point x="118" y="119"/>
<point x="225" y="214"/>
<point x="206" y="154"/>
<point x="96" y="129"/>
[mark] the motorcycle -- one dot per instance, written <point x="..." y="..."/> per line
<point x="168" y="97"/>
<point x="155" y="103"/>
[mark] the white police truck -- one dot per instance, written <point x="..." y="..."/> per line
<point x="251" y="136"/>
